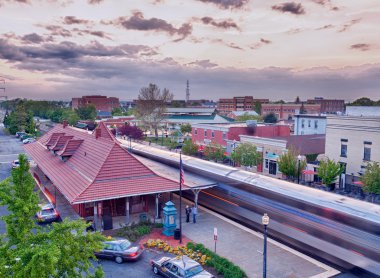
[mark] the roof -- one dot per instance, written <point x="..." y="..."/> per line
<point x="241" y="113"/>
<point x="88" y="169"/>
<point x="190" y="110"/>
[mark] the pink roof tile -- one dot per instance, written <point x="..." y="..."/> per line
<point x="98" y="168"/>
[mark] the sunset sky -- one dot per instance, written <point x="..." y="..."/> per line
<point x="273" y="49"/>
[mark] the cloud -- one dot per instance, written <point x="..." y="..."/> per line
<point x="94" y="2"/>
<point x="224" y="24"/>
<point x="138" y="22"/>
<point x="56" y="30"/>
<point x="260" y="44"/>
<point x="361" y="46"/>
<point x="326" y="3"/>
<point x="83" y="32"/>
<point x="289" y="7"/>
<point x="74" y="20"/>
<point x="3" y="2"/>
<point x="348" y="25"/>
<point x="227" y="4"/>
<point x="327" y="26"/>
<point x="203" y="64"/>
<point x="265" y="41"/>
<point x="32" y="38"/>
<point x="228" y="44"/>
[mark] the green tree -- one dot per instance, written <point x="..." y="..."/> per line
<point x="246" y="155"/>
<point x="371" y="178"/>
<point x="18" y="119"/>
<point x="87" y="112"/>
<point x="62" y="250"/>
<point x="117" y="112"/>
<point x="247" y="117"/>
<point x="189" y="148"/>
<point x="363" y="101"/>
<point x="258" y="107"/>
<point x="30" y="124"/>
<point x="328" y="171"/>
<point x="70" y="116"/>
<point x="270" y="118"/>
<point x="186" y="128"/>
<point x="214" y="152"/>
<point x="289" y="165"/>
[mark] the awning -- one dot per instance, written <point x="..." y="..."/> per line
<point x="358" y="183"/>
<point x="308" y="172"/>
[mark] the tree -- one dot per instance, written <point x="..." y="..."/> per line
<point x="131" y="131"/>
<point x="30" y="124"/>
<point x="18" y="118"/>
<point x="117" y="112"/>
<point x="270" y="118"/>
<point x="70" y="116"/>
<point x="87" y="112"/>
<point x="328" y="171"/>
<point x="186" y="128"/>
<point x="258" y="107"/>
<point x="61" y="250"/>
<point x="297" y="101"/>
<point x="289" y="165"/>
<point x="363" y="101"/>
<point x="371" y="178"/>
<point x="214" y="151"/>
<point x="151" y="106"/>
<point x="246" y="155"/>
<point x="189" y="148"/>
<point x="247" y="117"/>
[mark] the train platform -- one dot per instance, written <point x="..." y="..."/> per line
<point x="244" y="247"/>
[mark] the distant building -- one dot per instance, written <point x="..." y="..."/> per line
<point x="235" y="114"/>
<point x="101" y="103"/>
<point x="127" y="104"/>
<point x="246" y="103"/>
<point x="273" y="148"/>
<point x="204" y="134"/>
<point x="329" y="106"/>
<point x="305" y="124"/>
<point x="286" y="111"/>
<point x="366" y="111"/>
<point x="353" y="141"/>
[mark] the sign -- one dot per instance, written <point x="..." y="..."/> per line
<point x="215" y="234"/>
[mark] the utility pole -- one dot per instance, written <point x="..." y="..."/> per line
<point x="187" y="91"/>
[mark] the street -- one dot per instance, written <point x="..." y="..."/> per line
<point x="10" y="148"/>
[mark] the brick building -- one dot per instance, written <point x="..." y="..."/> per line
<point x="203" y="134"/>
<point x="329" y="106"/>
<point x="227" y="105"/>
<point x="101" y="103"/>
<point x="286" y="111"/>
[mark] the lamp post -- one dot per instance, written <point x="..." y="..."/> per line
<point x="265" y="221"/>
<point x="130" y="143"/>
<point x="298" y="169"/>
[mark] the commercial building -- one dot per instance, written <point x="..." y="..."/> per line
<point x="204" y="134"/>
<point x="286" y="111"/>
<point x="101" y="103"/>
<point x="329" y="106"/>
<point x="227" y="105"/>
<point x="353" y="141"/>
<point x="305" y="124"/>
<point x="273" y="148"/>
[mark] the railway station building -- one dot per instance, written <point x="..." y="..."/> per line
<point x="96" y="175"/>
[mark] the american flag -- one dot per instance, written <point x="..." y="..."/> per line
<point x="182" y="173"/>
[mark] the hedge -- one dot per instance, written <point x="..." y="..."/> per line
<point x="221" y="265"/>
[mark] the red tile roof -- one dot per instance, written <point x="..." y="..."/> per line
<point x="94" y="169"/>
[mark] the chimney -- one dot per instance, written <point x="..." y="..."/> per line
<point x="98" y="133"/>
<point x="64" y="123"/>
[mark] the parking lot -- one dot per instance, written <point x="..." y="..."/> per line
<point x="10" y="148"/>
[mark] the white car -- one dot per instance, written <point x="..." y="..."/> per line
<point x="15" y="163"/>
<point x="28" y="140"/>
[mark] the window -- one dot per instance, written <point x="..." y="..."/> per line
<point x="195" y="131"/>
<point x="367" y="154"/>
<point x="224" y="136"/>
<point x="303" y="123"/>
<point x="309" y="123"/>
<point x="205" y="133"/>
<point x="212" y="134"/>
<point x="315" y="124"/>
<point x="343" y="150"/>
<point x="266" y="163"/>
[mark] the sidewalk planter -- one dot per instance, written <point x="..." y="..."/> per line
<point x="221" y="265"/>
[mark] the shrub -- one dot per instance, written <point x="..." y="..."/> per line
<point x="135" y="231"/>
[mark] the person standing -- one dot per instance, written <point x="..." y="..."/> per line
<point x="188" y="211"/>
<point x="194" y="211"/>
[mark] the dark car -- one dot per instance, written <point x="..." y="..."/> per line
<point x="47" y="214"/>
<point x="179" y="267"/>
<point x="19" y="134"/>
<point x="24" y="136"/>
<point x="120" y="250"/>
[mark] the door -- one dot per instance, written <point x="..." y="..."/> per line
<point x="272" y="167"/>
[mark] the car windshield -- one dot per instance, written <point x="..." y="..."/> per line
<point x="194" y="271"/>
<point x="124" y="245"/>
<point x="47" y="211"/>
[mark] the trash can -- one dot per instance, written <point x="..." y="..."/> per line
<point x="177" y="233"/>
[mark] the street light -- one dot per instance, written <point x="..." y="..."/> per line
<point x="298" y="169"/>
<point x="265" y="221"/>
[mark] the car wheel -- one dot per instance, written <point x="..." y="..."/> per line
<point x="118" y="259"/>
<point x="155" y="270"/>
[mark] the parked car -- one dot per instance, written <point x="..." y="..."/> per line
<point x="47" y="214"/>
<point x="179" y="267"/>
<point x="120" y="250"/>
<point x="20" y="133"/>
<point x="29" y="140"/>
<point x="25" y="136"/>
<point x="15" y="163"/>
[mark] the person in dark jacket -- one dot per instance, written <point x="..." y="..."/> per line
<point x="188" y="211"/>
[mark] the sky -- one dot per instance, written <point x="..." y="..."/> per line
<point x="52" y="49"/>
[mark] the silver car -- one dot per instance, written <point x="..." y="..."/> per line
<point x="183" y="267"/>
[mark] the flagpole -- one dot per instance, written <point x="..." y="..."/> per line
<point x="180" y="196"/>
